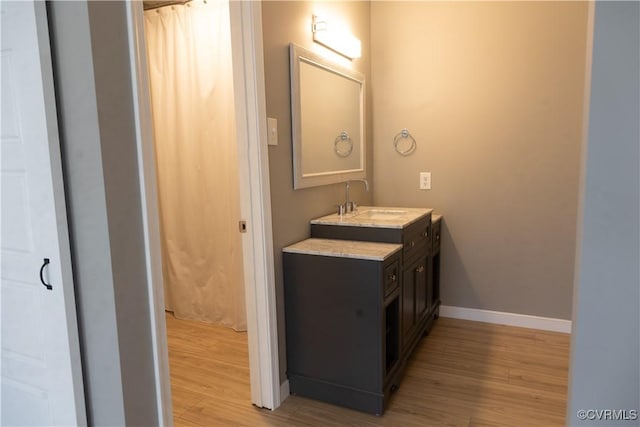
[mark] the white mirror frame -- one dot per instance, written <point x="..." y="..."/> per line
<point x="300" y="180"/>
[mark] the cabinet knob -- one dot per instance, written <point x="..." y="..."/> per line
<point x="412" y="244"/>
<point x="437" y="237"/>
<point x="420" y="269"/>
<point x="392" y="277"/>
<point x="426" y="233"/>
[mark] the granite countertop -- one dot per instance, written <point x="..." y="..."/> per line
<point x="397" y="218"/>
<point x="344" y="249"/>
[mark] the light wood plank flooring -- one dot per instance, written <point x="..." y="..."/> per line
<point x="465" y="374"/>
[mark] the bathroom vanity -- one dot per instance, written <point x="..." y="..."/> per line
<point x="410" y="227"/>
<point x="342" y="301"/>
<point x="353" y="319"/>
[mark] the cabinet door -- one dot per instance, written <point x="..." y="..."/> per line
<point x="416" y="296"/>
<point x="408" y="303"/>
<point x="422" y="288"/>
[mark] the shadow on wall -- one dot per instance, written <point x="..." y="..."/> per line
<point x="454" y="275"/>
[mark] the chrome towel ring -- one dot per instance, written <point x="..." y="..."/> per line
<point x="343" y="145"/>
<point x="402" y="135"/>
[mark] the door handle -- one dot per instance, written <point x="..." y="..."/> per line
<point x="44" y="264"/>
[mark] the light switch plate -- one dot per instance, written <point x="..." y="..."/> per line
<point x="425" y="180"/>
<point x="272" y="130"/>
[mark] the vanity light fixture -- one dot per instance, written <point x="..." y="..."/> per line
<point x="337" y="39"/>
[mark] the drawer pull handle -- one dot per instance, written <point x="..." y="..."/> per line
<point x="420" y="269"/>
<point x="437" y="237"/>
<point x="412" y="244"/>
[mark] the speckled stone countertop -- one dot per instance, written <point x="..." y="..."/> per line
<point x="344" y="249"/>
<point x="400" y="219"/>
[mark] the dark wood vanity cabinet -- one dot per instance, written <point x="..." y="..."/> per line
<point x="342" y="328"/>
<point x="417" y="298"/>
<point x="352" y="323"/>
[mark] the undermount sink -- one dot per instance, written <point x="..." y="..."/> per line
<point x="381" y="213"/>
<point x="374" y="217"/>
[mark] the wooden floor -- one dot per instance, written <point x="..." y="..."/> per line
<point x="465" y="374"/>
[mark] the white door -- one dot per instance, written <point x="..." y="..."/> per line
<point x="40" y="363"/>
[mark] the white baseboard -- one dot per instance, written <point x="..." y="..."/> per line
<point x="511" y="319"/>
<point x="284" y="391"/>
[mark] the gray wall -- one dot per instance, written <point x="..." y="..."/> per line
<point x="493" y="94"/>
<point x="284" y="23"/>
<point x="605" y="355"/>
<point x="91" y="69"/>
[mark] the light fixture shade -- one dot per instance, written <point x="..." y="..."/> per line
<point x="337" y="39"/>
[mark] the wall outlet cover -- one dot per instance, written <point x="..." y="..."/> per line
<point x="425" y="180"/>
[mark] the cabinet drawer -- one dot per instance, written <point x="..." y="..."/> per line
<point x="416" y="237"/>
<point x="391" y="277"/>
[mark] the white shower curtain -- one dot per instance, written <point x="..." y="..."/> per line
<point x="189" y="55"/>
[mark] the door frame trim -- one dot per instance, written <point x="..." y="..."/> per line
<point x="255" y="204"/>
<point x="149" y="208"/>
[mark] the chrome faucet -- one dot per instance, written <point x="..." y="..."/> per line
<point x="350" y="206"/>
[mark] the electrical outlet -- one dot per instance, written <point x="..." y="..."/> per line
<point x="272" y="130"/>
<point x="425" y="180"/>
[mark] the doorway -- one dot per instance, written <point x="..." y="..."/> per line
<point x="255" y="209"/>
<point x="191" y="85"/>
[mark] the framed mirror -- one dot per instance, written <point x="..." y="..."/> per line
<point x="327" y="109"/>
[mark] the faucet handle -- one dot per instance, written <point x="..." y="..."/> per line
<point x="342" y="209"/>
<point x="354" y="206"/>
